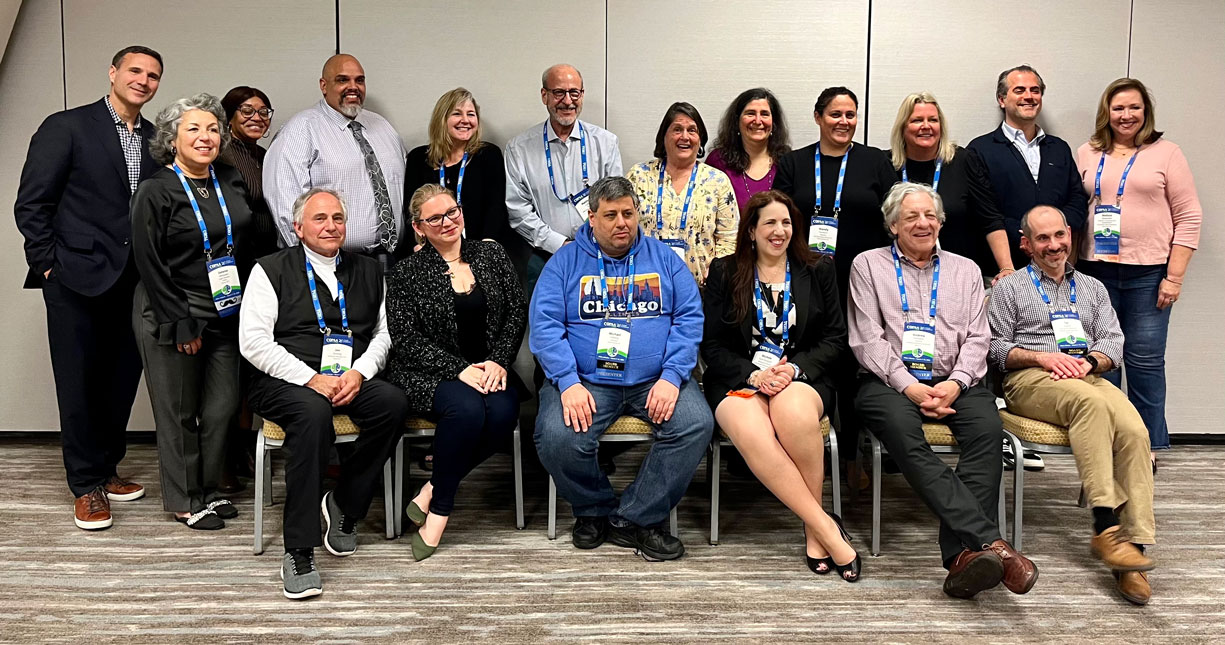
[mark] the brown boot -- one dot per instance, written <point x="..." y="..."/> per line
<point x="1020" y="573"/>
<point x="1119" y="554"/>
<point x="92" y="511"/>
<point x="972" y="572"/>
<point x="1134" y="586"/>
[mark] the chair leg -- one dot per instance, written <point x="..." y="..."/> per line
<point x="672" y="523"/>
<point x="261" y="455"/>
<point x="1083" y="500"/>
<point x="1003" y="512"/>
<point x="518" y="468"/>
<point x="389" y="496"/>
<point x="714" y="474"/>
<point x="267" y="490"/>
<point x="398" y="493"/>
<point x="1018" y="494"/>
<point x="835" y="479"/>
<point x="876" y="473"/>
<point x="552" y="532"/>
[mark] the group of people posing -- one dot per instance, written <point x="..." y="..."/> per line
<point x="339" y="273"/>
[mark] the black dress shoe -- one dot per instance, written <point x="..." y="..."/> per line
<point x="819" y="566"/>
<point x="589" y="532"/>
<point x="653" y="544"/>
<point x="849" y="571"/>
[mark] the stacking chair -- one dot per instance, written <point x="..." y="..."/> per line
<point x="415" y="427"/>
<point x="271" y="437"/>
<point x="720" y="440"/>
<point x="1038" y="436"/>
<point x="625" y="428"/>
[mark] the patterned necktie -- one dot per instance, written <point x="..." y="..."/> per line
<point x="382" y="200"/>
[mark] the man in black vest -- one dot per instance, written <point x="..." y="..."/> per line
<point x="314" y="326"/>
<point x="72" y="208"/>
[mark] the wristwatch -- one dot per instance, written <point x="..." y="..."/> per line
<point x="1092" y="360"/>
<point x="961" y="385"/>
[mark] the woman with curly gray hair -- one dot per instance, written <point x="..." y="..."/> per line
<point x="189" y="221"/>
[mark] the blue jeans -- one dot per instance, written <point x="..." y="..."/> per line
<point x="1133" y="293"/>
<point x="570" y="457"/>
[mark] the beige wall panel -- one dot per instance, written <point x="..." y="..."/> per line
<point x="30" y="89"/>
<point x="957" y="48"/>
<point x="1178" y="50"/>
<point x="413" y="52"/>
<point x="708" y="52"/>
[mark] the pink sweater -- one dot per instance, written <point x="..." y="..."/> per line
<point x="1160" y="207"/>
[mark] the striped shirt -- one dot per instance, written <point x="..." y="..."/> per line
<point x="316" y="149"/>
<point x="1019" y="317"/>
<point x="876" y="319"/>
<point x="130" y="141"/>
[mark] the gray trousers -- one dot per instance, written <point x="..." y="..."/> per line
<point x="195" y="401"/>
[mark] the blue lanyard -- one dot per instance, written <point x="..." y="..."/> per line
<point x="761" y="311"/>
<point x="1097" y="181"/>
<point x="340" y="298"/>
<point x="459" y="185"/>
<point x="935" y="180"/>
<point x="1033" y="276"/>
<point x="548" y="156"/>
<point x="630" y="287"/>
<point x="659" y="197"/>
<point x="901" y="283"/>
<point x="195" y="207"/>
<point x="816" y="209"/>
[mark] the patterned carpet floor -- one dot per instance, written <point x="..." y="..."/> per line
<point x="149" y="579"/>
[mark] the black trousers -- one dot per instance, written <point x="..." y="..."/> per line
<point x="97" y="368"/>
<point x="471" y="428"/>
<point x="379" y="409"/>
<point x="966" y="500"/>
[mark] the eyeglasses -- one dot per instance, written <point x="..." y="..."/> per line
<point x="436" y="221"/>
<point x="561" y="94"/>
<point x="248" y="111"/>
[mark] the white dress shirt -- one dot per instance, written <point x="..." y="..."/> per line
<point x="1029" y="149"/>
<point x="535" y="210"/>
<point x="258" y="316"/>
<point x="316" y="149"/>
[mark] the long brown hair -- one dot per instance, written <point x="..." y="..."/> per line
<point x="744" y="259"/>
<point x="1103" y="137"/>
<point x="440" y="138"/>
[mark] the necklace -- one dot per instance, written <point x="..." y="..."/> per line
<point x="203" y="190"/>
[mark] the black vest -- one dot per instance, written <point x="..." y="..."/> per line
<point x="297" y="329"/>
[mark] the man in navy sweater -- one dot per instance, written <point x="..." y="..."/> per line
<point x="610" y="285"/>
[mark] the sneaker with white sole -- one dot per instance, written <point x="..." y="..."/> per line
<point x="341" y="535"/>
<point x="119" y="489"/>
<point x="300" y="575"/>
<point x="1031" y="460"/>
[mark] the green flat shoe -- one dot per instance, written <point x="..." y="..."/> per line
<point x="421" y="550"/>
<point x="415" y="514"/>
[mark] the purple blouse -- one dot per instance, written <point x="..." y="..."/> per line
<point x="744" y="186"/>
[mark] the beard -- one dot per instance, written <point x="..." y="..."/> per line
<point x="350" y="110"/>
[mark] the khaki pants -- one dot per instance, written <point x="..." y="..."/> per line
<point x="1109" y="441"/>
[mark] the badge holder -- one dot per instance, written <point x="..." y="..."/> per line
<point x="1106" y="223"/>
<point x="1069" y="333"/>
<point x="919" y="349"/>
<point x="581" y="201"/>
<point x="823" y="235"/>
<point x="680" y="247"/>
<point x="224" y="283"/>
<point x="767" y="355"/>
<point x="613" y="350"/>
<point x="337" y="357"/>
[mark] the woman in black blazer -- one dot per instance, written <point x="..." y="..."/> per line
<point x="774" y="331"/>
<point x="456" y="313"/>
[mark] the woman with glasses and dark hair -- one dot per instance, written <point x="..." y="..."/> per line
<point x="457" y="314"/>
<point x="686" y="204"/>
<point x="752" y="138"/>
<point x="248" y="115"/>
<point x="774" y="337"/>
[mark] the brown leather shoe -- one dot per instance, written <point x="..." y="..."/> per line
<point x="119" y="489"/>
<point x="1020" y="573"/>
<point x="972" y="572"/>
<point x="1134" y="586"/>
<point x="1119" y="554"/>
<point x="92" y="511"/>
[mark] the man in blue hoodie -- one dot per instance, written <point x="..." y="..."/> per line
<point x="611" y="285"/>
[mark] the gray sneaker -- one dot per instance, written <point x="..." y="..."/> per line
<point x="300" y="575"/>
<point x="341" y="536"/>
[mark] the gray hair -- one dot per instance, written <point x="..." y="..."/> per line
<point x="299" y="204"/>
<point x="609" y="189"/>
<point x="1001" y="84"/>
<point x="168" y="120"/>
<point x="1026" y="230"/>
<point x="893" y="202"/>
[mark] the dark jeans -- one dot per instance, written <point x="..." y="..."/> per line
<point x="379" y="409"/>
<point x="966" y="500"/>
<point x="1133" y="294"/>
<point x="570" y="456"/>
<point x="471" y="427"/>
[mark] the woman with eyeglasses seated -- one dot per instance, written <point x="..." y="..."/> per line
<point x="686" y="204"/>
<point x="249" y="118"/>
<point x="457" y="314"/>
<point x="774" y="336"/>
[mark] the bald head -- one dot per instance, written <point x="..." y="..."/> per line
<point x="561" y="91"/>
<point x="558" y="72"/>
<point x="344" y="85"/>
<point x="1042" y="217"/>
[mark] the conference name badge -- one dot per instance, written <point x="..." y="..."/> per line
<point x="337" y="355"/>
<point x="767" y="355"/>
<point x="919" y="349"/>
<point x="678" y="246"/>
<point x="1069" y="333"/>
<point x="1106" y="223"/>
<point x="612" y="350"/>
<point x="581" y="201"/>
<point x="224" y="283"/>
<point x="823" y="235"/>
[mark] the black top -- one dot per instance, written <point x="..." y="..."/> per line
<point x="861" y="225"/>
<point x="169" y="249"/>
<point x="483" y="197"/>
<point x="970" y="210"/>
<point x="816" y="343"/>
<point x="248" y="158"/>
<point x="471" y="310"/>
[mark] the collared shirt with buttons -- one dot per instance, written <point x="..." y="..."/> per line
<point x="1029" y="149"/>
<point x="129" y="140"/>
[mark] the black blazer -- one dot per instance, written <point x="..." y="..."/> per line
<point x="817" y="342"/>
<point x="421" y="319"/>
<point x="1016" y="191"/>
<point x="72" y="203"/>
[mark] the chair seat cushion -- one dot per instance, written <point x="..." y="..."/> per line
<point x="629" y="425"/>
<point x="938" y="434"/>
<point x="1034" y="431"/>
<point x="341" y="422"/>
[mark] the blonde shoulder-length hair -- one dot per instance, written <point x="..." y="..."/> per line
<point x="1103" y="137"/>
<point x="897" y="141"/>
<point x="441" y="140"/>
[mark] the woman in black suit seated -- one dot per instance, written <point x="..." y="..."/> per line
<point x="774" y="331"/>
<point x="457" y="314"/>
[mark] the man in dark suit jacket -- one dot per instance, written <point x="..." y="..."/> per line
<point x="72" y="208"/>
<point x="1028" y="167"/>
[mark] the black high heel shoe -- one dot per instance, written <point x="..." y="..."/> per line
<point x="850" y="571"/>
<point x="814" y="564"/>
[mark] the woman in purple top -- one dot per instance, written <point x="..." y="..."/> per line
<point x="752" y="137"/>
